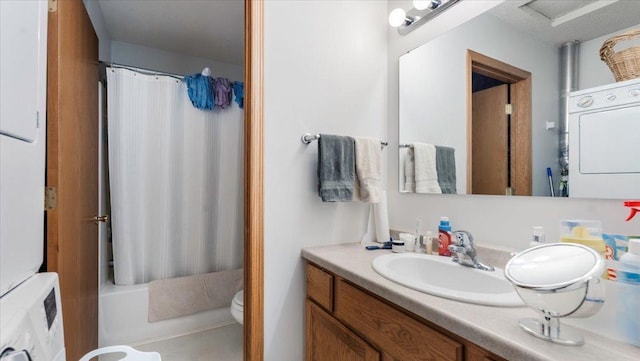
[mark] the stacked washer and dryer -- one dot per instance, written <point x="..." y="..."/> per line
<point x="30" y="306"/>
<point x="604" y="131"/>
<point x="30" y="309"/>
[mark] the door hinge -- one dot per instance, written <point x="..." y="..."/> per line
<point x="53" y="6"/>
<point x="508" y="109"/>
<point x="50" y="198"/>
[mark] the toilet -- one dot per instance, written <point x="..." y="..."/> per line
<point x="237" y="306"/>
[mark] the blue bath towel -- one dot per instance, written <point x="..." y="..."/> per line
<point x="200" y="90"/>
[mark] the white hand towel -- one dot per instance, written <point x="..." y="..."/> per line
<point x="369" y="168"/>
<point x="409" y="171"/>
<point x="426" y="172"/>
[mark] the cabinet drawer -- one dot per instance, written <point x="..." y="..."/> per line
<point x="329" y="340"/>
<point x="387" y="328"/>
<point x="320" y="286"/>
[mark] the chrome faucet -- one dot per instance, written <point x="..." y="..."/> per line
<point x="465" y="251"/>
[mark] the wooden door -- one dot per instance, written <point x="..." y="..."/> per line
<point x="329" y="340"/>
<point x="489" y="148"/>
<point x="72" y="168"/>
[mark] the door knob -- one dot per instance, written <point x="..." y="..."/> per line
<point x="99" y="219"/>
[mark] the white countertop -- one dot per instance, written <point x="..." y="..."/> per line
<point x="493" y="328"/>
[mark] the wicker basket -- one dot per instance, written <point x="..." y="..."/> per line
<point x="624" y="64"/>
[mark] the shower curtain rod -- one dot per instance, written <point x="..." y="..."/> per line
<point x="142" y="70"/>
<point x="145" y="70"/>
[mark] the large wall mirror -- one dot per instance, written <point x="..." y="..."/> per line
<point x="483" y="103"/>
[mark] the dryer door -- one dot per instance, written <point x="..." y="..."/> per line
<point x="23" y="66"/>
<point x="23" y="39"/>
<point x="609" y="141"/>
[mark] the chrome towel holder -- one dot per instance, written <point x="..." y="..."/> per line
<point x="307" y="138"/>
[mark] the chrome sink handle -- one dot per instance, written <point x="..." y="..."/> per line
<point x="465" y="251"/>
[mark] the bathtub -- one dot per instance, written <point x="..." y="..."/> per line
<point x="123" y="314"/>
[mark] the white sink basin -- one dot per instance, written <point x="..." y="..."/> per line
<point x="442" y="277"/>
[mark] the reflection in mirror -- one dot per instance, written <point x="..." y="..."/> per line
<point x="507" y="154"/>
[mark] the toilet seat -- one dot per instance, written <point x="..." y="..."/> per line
<point x="238" y="299"/>
<point x="237" y="306"/>
<point x="131" y="354"/>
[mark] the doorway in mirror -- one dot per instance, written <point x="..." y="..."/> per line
<point x="499" y="127"/>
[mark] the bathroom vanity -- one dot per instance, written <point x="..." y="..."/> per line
<point x="352" y="313"/>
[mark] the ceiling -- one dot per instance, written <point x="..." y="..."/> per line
<point x="560" y="21"/>
<point x="212" y="29"/>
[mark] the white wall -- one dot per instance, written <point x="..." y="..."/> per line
<point x="171" y="62"/>
<point x="119" y="52"/>
<point x="97" y="20"/>
<point x="591" y="70"/>
<point x="433" y="100"/>
<point x="325" y="72"/>
<point x="497" y="220"/>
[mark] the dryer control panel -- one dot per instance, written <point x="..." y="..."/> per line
<point x="618" y="94"/>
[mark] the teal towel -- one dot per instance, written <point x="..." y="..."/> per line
<point x="446" y="168"/>
<point x="336" y="168"/>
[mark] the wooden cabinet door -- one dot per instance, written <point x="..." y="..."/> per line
<point x="399" y="335"/>
<point x="475" y="353"/>
<point x="329" y="340"/>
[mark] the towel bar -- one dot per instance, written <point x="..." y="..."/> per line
<point x="308" y="138"/>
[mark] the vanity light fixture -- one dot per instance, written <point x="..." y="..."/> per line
<point x="422" y="11"/>
<point x="427" y="4"/>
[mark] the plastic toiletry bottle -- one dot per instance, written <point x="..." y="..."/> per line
<point x="628" y="274"/>
<point x="628" y="306"/>
<point x="631" y="263"/>
<point x="429" y="239"/>
<point x="635" y="208"/>
<point x="537" y="237"/>
<point x="631" y="260"/>
<point x="444" y="237"/>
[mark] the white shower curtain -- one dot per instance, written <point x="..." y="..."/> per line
<point x="176" y="180"/>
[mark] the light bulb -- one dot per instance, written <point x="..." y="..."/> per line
<point x="397" y="17"/>
<point x="421" y="4"/>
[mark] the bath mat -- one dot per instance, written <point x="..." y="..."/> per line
<point x="181" y="296"/>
